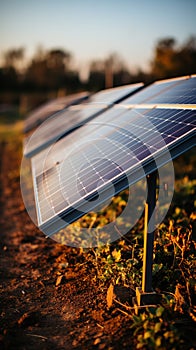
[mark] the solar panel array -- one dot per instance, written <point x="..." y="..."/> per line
<point x="75" y="174"/>
<point x="67" y="120"/>
<point x="37" y="116"/>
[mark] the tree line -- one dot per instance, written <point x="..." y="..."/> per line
<point x="51" y="70"/>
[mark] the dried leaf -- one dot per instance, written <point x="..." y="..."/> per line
<point x="110" y="295"/>
<point x="97" y="341"/>
<point x="22" y="318"/>
<point x="58" y="280"/>
<point x="116" y="254"/>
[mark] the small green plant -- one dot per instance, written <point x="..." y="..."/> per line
<point x="155" y="329"/>
<point x="119" y="263"/>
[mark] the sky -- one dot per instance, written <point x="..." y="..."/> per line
<point x="93" y="29"/>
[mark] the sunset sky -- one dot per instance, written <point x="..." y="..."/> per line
<point x="92" y="29"/>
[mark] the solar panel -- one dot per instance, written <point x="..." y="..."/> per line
<point x="37" y="116"/>
<point x="115" y="95"/>
<point x="65" y="121"/>
<point x="77" y="173"/>
<point x="178" y="91"/>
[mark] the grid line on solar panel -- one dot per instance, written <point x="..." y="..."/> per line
<point x="184" y="92"/>
<point x="182" y="115"/>
<point x="37" y="116"/>
<point x="66" y="121"/>
<point x="174" y="91"/>
<point x="180" y="133"/>
<point x="140" y="151"/>
<point x="59" y="127"/>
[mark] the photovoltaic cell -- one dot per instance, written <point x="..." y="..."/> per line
<point x="59" y="125"/>
<point x="77" y="172"/>
<point x="182" y="93"/>
<point x="103" y="158"/>
<point x="67" y="120"/>
<point x="174" y="91"/>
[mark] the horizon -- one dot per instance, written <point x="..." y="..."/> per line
<point x="95" y="30"/>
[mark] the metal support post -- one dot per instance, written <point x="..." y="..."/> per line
<point x="145" y="295"/>
<point x="149" y="229"/>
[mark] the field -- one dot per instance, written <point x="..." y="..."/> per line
<point x="57" y="297"/>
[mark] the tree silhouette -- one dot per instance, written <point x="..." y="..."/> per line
<point x="108" y="72"/>
<point x="171" y="60"/>
<point x="49" y="71"/>
<point x="10" y="72"/>
<point x="13" y="58"/>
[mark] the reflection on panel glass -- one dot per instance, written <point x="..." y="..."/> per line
<point x="71" y="176"/>
<point x="65" y="121"/>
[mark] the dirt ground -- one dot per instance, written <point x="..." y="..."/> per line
<point x="49" y="296"/>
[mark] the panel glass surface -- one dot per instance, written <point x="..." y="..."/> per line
<point x="182" y="93"/>
<point x="112" y="95"/>
<point x="176" y="91"/>
<point x="37" y="116"/>
<point x="58" y="126"/>
<point x="65" y="121"/>
<point x="69" y="176"/>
